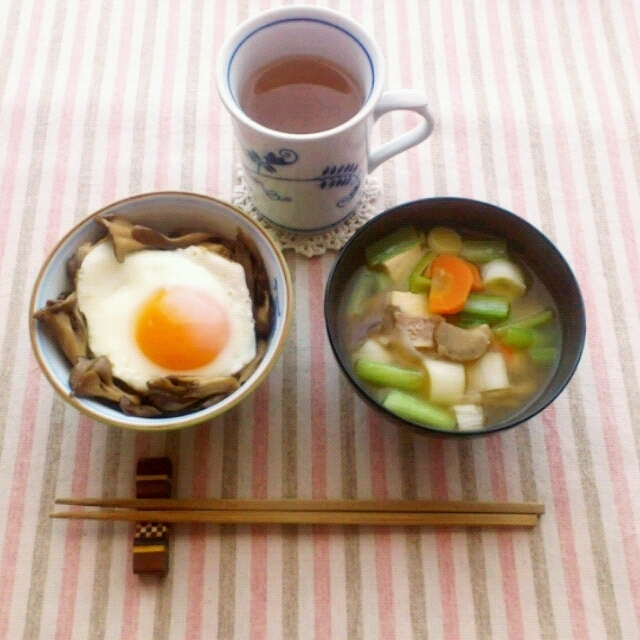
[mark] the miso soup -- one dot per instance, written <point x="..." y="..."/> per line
<point x="449" y="329"/>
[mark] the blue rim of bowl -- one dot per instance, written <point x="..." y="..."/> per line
<point x="95" y="409"/>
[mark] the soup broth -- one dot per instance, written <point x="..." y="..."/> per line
<point x="301" y="94"/>
<point x="449" y="330"/>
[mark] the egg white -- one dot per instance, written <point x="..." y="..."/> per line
<point x="110" y="294"/>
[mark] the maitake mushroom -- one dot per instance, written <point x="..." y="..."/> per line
<point x="63" y="320"/>
<point x="128" y="237"/>
<point x="246" y="253"/>
<point x="177" y="393"/>
<point x="93" y="378"/>
<point x="462" y="345"/>
<point x="74" y="262"/>
<point x="247" y="371"/>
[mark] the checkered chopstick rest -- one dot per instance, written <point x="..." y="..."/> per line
<point x="151" y="539"/>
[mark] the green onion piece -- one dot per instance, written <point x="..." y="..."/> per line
<point x="469" y="321"/>
<point x="515" y="336"/>
<point x="447" y="380"/>
<point x="418" y="282"/>
<point x="488" y="373"/>
<point x="388" y="375"/>
<point x="486" y="306"/>
<point x="543" y="355"/>
<point x="391" y="245"/>
<point x="409" y="407"/>
<point x="469" y="416"/>
<point x="483" y="250"/>
<point x="530" y="322"/>
<point x="502" y="277"/>
<point x="444" y="240"/>
<point x="544" y="338"/>
<point x="367" y="284"/>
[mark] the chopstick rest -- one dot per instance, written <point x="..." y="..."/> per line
<point x="151" y="539"/>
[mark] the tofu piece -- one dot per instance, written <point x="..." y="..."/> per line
<point x="399" y="267"/>
<point x="413" y="304"/>
<point x="372" y="350"/>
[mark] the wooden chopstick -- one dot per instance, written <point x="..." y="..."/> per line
<point x="295" y="511"/>
<point x="297" y="504"/>
<point x="398" y="518"/>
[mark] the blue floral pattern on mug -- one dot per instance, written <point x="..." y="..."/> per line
<point x="332" y="176"/>
<point x="272" y="194"/>
<point x="271" y="160"/>
<point x="343" y="175"/>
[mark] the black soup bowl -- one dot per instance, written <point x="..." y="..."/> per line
<point x="471" y="219"/>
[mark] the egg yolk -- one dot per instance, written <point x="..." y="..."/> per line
<point x="181" y="328"/>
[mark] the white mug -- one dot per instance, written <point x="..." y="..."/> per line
<point x="310" y="182"/>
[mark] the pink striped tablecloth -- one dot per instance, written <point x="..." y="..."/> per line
<point x="537" y="108"/>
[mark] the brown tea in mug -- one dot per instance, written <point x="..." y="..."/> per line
<point x="301" y="94"/>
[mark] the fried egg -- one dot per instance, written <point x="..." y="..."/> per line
<point x="158" y="313"/>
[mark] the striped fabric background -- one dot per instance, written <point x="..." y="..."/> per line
<point x="537" y="106"/>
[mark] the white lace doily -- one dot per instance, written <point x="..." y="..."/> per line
<point x="308" y="244"/>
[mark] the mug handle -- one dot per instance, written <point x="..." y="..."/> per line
<point x="393" y="101"/>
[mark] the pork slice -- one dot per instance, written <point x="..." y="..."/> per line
<point x="419" y="329"/>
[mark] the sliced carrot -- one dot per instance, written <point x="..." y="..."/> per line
<point x="451" y="282"/>
<point x="477" y="284"/>
<point x="508" y="353"/>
